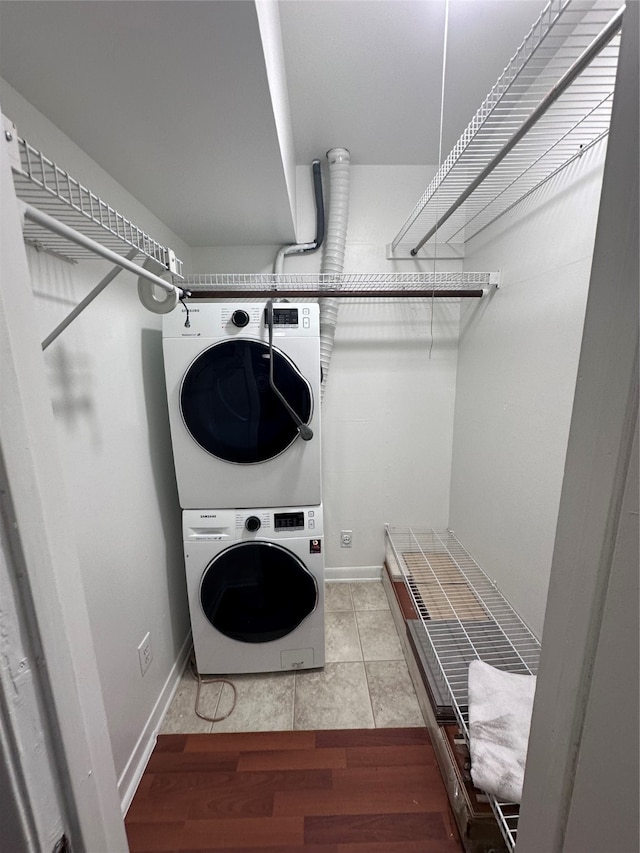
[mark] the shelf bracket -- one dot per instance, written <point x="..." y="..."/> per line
<point x="11" y="138"/>
<point x="442" y="252"/>
<point x="88" y="299"/>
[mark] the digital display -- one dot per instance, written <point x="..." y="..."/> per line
<point x="282" y="316"/>
<point x="288" y="521"/>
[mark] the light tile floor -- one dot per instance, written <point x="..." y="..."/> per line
<point x="364" y="684"/>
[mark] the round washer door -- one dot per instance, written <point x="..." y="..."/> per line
<point x="229" y="407"/>
<point x="257" y="591"/>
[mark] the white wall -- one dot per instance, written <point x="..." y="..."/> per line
<point x="517" y="366"/>
<point x="107" y="392"/>
<point x="387" y="415"/>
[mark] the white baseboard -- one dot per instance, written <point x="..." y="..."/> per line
<point x="353" y="573"/>
<point x="132" y="774"/>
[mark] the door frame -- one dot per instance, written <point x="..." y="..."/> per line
<point x="44" y="555"/>
<point x="593" y="551"/>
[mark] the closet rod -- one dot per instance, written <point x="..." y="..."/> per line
<point x="429" y="293"/>
<point x="552" y="95"/>
<point x="57" y="227"/>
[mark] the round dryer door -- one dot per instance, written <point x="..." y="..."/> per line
<point x="231" y="410"/>
<point x="257" y="591"/>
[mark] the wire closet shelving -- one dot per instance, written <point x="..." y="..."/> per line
<point x="465" y="618"/>
<point x="303" y="285"/>
<point x="63" y="202"/>
<point x="53" y="192"/>
<point x="551" y="103"/>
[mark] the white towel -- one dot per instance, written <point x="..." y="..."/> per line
<point x="500" y="705"/>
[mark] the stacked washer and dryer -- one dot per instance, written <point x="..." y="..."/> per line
<point x="243" y="386"/>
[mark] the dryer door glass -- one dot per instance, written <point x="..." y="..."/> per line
<point x="231" y="410"/>
<point x="257" y="591"/>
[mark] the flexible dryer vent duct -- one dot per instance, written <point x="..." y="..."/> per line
<point x="335" y="240"/>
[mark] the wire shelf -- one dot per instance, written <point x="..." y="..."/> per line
<point x="465" y="618"/>
<point x="43" y="184"/>
<point x="346" y="285"/>
<point x="578" y="119"/>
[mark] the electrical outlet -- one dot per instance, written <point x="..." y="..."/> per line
<point x="145" y="653"/>
<point x="345" y="538"/>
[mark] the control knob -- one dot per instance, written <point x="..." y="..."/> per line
<point x="253" y="523"/>
<point x="240" y="318"/>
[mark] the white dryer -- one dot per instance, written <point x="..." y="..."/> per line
<point x="245" y="432"/>
<point x="255" y="580"/>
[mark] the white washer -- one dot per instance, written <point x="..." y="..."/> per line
<point x="235" y="444"/>
<point x="255" y="579"/>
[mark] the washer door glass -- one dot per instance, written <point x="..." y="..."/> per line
<point x="257" y="591"/>
<point x="231" y="410"/>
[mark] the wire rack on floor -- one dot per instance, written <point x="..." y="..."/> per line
<point x="465" y="618"/>
<point x="43" y="184"/>
<point x="303" y="285"/>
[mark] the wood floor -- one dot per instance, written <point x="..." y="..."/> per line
<point x="347" y="791"/>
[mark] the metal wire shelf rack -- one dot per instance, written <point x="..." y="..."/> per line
<point x="302" y="285"/>
<point x="40" y="182"/>
<point x="551" y="103"/>
<point x="465" y="617"/>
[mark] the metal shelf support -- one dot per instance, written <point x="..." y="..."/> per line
<point x="97" y="290"/>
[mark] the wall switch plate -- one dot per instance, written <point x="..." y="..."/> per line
<point x="145" y="653"/>
<point x="346" y="538"/>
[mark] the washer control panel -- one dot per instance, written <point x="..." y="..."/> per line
<point x="260" y="523"/>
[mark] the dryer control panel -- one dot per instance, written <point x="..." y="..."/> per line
<point x="283" y="317"/>
<point x="198" y="318"/>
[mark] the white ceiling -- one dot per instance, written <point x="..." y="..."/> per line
<point x="172" y="98"/>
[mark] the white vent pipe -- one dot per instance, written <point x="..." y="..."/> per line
<point x="303" y="248"/>
<point x="334" y="248"/>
